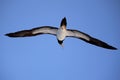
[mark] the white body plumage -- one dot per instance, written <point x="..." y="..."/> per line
<point x="61" y="33"/>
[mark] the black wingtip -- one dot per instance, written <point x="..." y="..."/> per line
<point x="112" y="48"/>
<point x="16" y="34"/>
<point x="101" y="44"/>
<point x="7" y="35"/>
<point x="63" y="22"/>
<point x="10" y="35"/>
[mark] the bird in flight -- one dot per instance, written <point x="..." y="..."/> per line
<point x="61" y="33"/>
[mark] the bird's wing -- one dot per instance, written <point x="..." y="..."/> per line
<point x="34" y="32"/>
<point x="87" y="38"/>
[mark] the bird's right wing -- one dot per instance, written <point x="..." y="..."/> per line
<point x="87" y="38"/>
<point x="35" y="31"/>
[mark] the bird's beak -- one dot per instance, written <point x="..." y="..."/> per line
<point x="62" y="45"/>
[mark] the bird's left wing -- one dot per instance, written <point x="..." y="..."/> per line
<point x="87" y="38"/>
<point x="35" y="31"/>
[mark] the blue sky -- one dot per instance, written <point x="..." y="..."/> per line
<point x="41" y="57"/>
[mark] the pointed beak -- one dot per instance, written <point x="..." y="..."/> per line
<point x="62" y="45"/>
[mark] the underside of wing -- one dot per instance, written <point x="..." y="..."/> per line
<point x="87" y="38"/>
<point x="33" y="32"/>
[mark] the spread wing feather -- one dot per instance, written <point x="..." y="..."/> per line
<point x="35" y="31"/>
<point x="87" y="38"/>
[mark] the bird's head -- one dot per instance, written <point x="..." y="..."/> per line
<point x="60" y="42"/>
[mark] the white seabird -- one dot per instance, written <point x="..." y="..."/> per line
<point x="61" y="33"/>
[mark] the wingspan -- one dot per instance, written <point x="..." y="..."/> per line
<point x="35" y="31"/>
<point x="87" y="38"/>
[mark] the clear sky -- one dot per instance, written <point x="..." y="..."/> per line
<point x="42" y="58"/>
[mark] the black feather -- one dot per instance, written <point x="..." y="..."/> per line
<point x="63" y="22"/>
